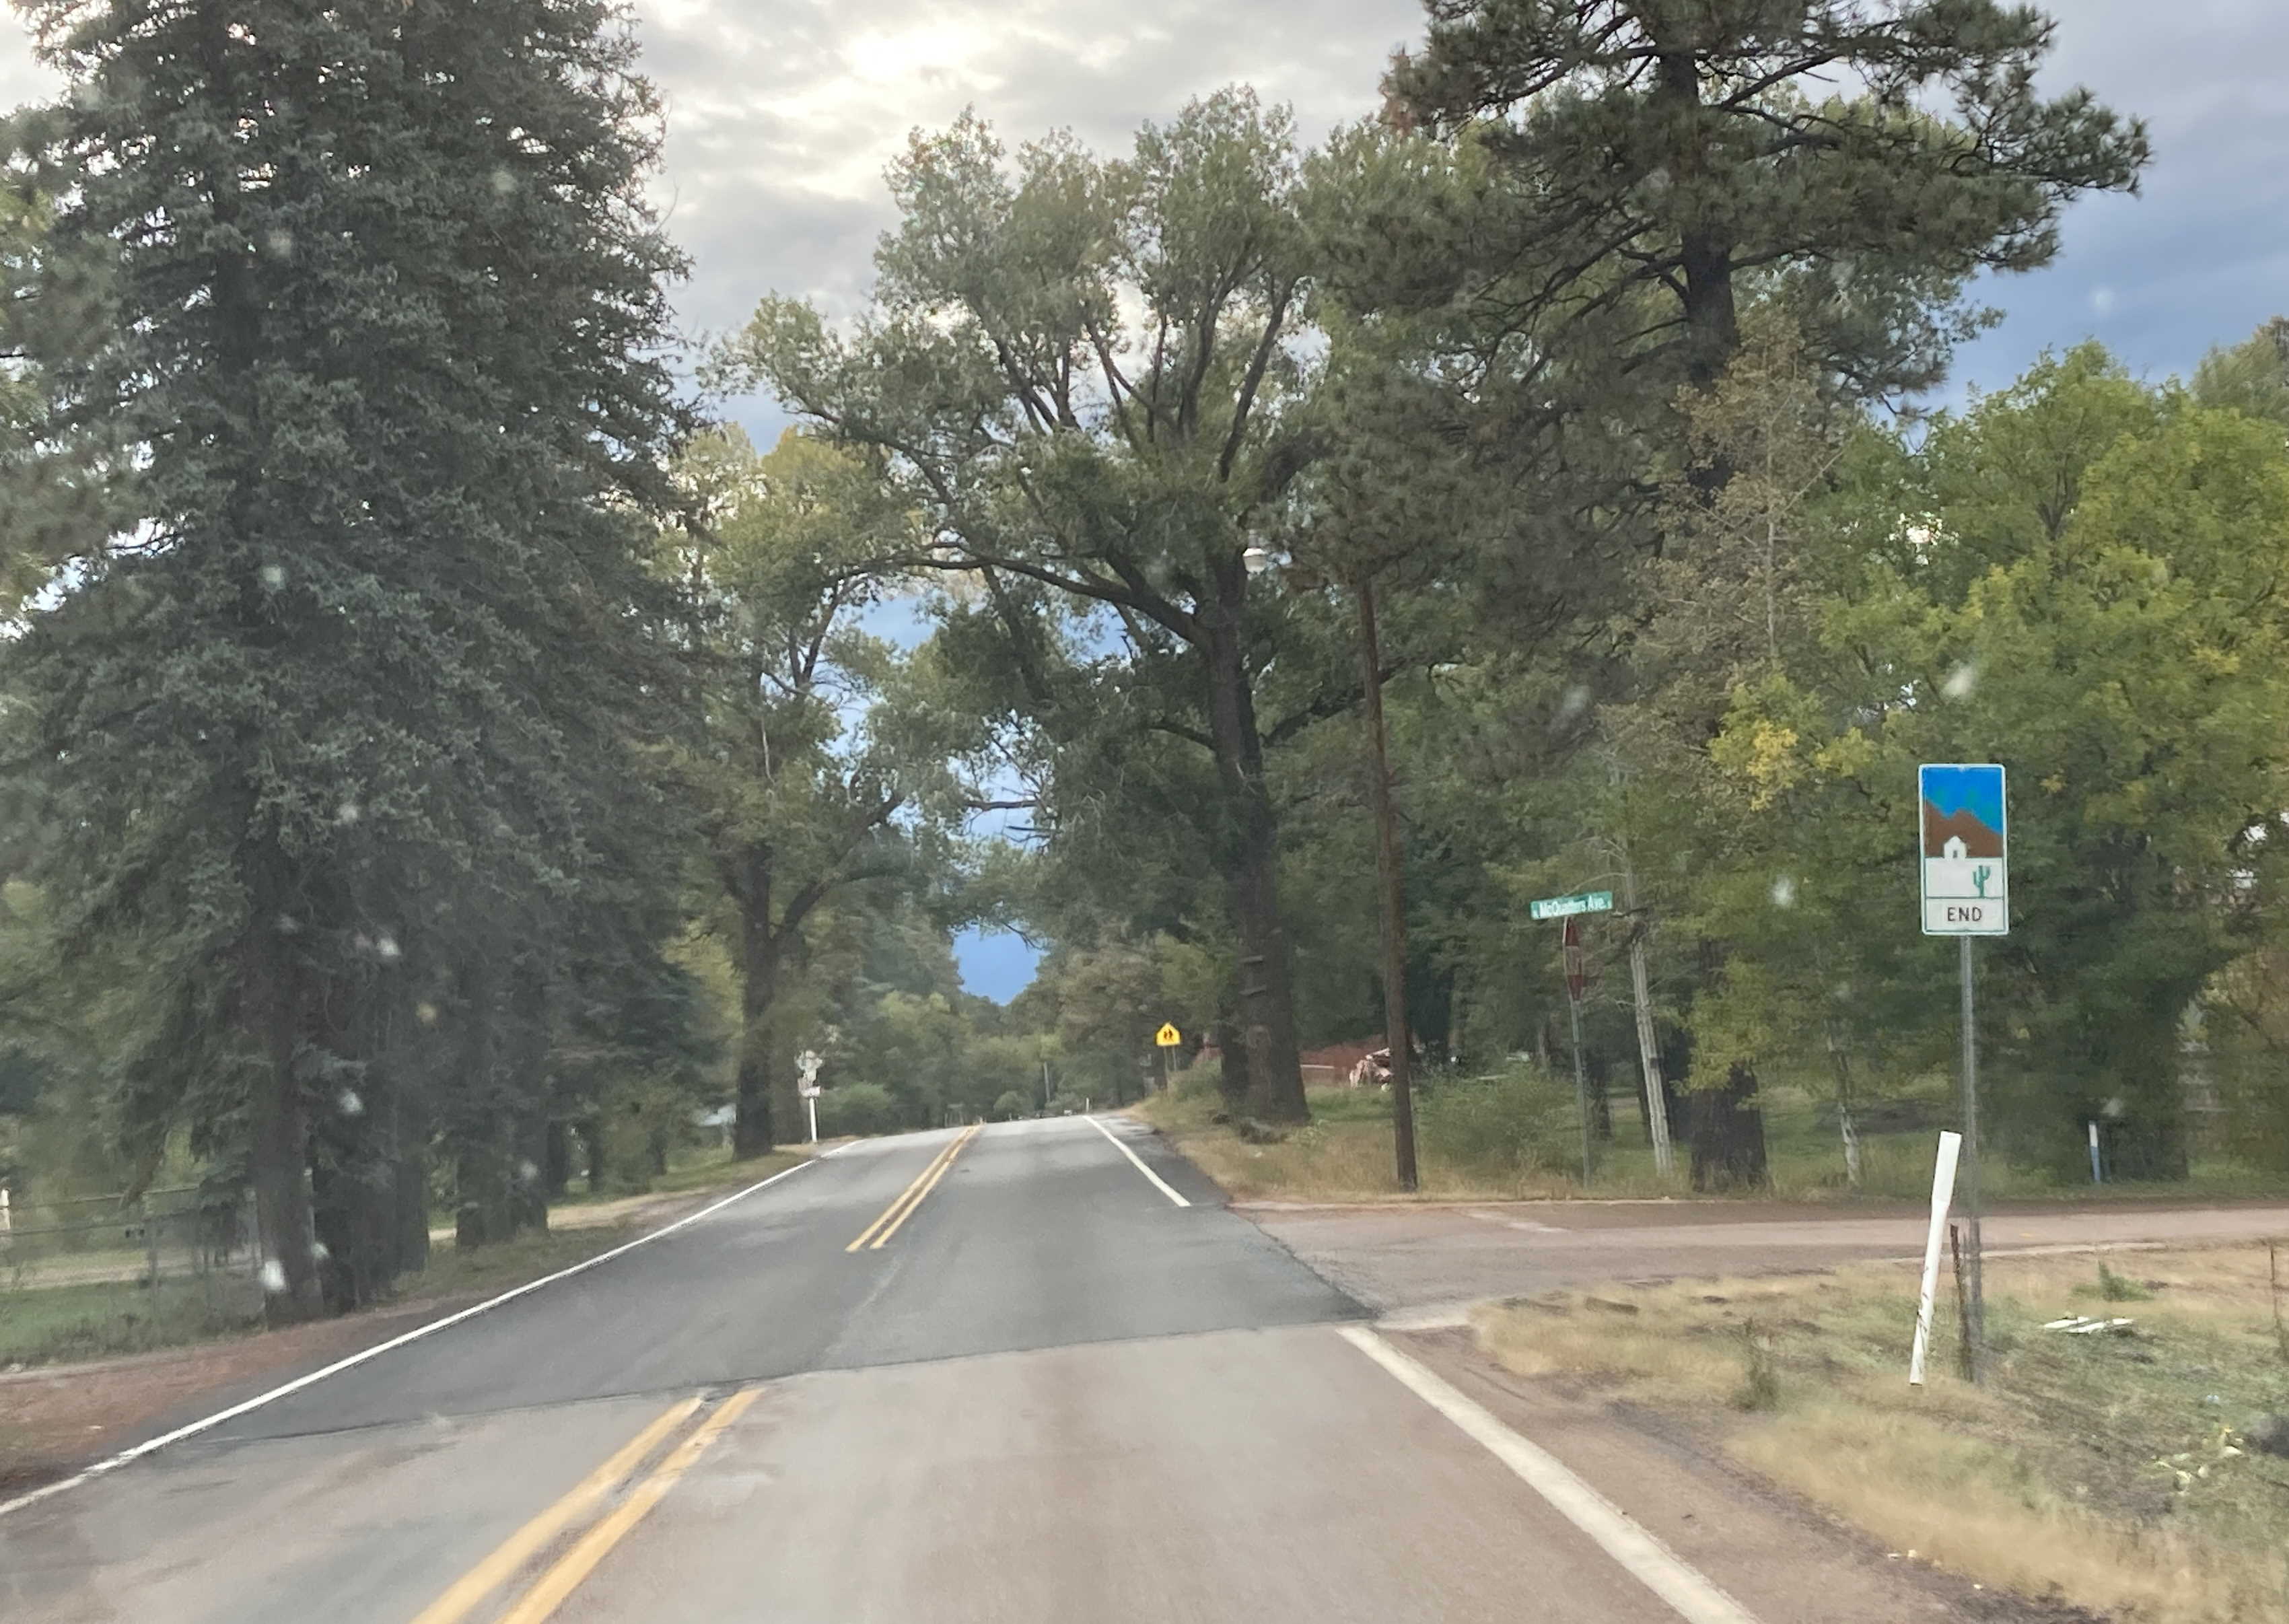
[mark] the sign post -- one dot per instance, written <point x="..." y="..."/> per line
<point x="1577" y="981"/>
<point x="1966" y="861"/>
<point x="1167" y="1038"/>
<point x="806" y="1066"/>
<point x="1943" y="1192"/>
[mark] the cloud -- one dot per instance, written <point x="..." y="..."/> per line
<point x="782" y="114"/>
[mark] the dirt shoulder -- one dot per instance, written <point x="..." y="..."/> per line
<point x="1778" y="1554"/>
<point x="2119" y="1473"/>
<point x="56" y="1419"/>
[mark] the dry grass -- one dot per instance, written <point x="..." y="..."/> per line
<point x="2099" y="1470"/>
<point x="1344" y="1155"/>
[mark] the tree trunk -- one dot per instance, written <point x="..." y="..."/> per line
<point x="1393" y="884"/>
<point x="1232" y="1062"/>
<point x="759" y="965"/>
<point x="1268" y="999"/>
<point x="2146" y="1141"/>
<point x="592" y="1153"/>
<point x="1706" y="253"/>
<point x="1728" y="1133"/>
<point x="528" y="1198"/>
<point x="558" y="1167"/>
<point x="1841" y="1063"/>
<point x="413" y="1182"/>
<point x="281" y="1132"/>
<point x="353" y="1147"/>
<point x="479" y="1133"/>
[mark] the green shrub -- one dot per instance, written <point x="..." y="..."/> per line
<point x="856" y="1109"/>
<point x="1519" y="1119"/>
<point x="1009" y="1106"/>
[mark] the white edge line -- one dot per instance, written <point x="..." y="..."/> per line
<point x="1651" y="1563"/>
<point x="1158" y="1182"/>
<point x="151" y="1445"/>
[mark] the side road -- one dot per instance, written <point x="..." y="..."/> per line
<point x="1434" y="1260"/>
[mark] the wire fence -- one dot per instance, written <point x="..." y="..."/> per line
<point x="181" y="1232"/>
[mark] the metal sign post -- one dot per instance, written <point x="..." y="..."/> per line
<point x="806" y="1066"/>
<point x="1576" y="983"/>
<point x="1166" y="1038"/>
<point x="1966" y="860"/>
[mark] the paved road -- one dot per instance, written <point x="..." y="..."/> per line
<point x="1427" y="1262"/>
<point x="1051" y="1393"/>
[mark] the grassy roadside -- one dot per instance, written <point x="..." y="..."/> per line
<point x="60" y="1324"/>
<point x="2114" y="1472"/>
<point x="1345" y="1155"/>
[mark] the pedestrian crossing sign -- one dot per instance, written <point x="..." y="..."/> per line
<point x="1167" y="1036"/>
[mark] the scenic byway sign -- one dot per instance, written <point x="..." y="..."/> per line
<point x="1966" y="849"/>
<point x="1581" y="902"/>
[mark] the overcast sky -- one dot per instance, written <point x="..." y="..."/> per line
<point x="782" y="114"/>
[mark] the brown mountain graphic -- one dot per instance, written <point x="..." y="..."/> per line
<point x="1978" y="839"/>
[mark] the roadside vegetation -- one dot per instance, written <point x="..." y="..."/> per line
<point x="1516" y="1136"/>
<point x="2143" y="1473"/>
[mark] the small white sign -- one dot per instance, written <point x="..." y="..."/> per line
<point x="1965" y="846"/>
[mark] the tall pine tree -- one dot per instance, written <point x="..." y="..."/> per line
<point x="336" y="705"/>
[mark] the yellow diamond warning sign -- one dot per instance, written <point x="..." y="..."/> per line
<point x="1167" y="1036"/>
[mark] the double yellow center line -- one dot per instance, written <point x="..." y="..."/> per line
<point x="875" y="1233"/>
<point x="540" y="1600"/>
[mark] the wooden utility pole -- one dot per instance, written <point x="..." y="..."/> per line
<point x="1394" y="894"/>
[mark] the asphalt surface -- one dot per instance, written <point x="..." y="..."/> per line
<point x="1053" y="1393"/>
<point x="1422" y="1264"/>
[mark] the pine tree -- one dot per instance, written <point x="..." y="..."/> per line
<point x="330" y="705"/>
<point x="1667" y="159"/>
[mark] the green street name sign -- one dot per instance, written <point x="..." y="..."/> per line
<point x="1581" y="902"/>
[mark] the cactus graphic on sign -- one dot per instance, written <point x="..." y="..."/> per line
<point x="1964" y="847"/>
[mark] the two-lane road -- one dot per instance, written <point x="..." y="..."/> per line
<point x="1066" y="1385"/>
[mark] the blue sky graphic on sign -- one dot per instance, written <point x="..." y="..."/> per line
<point x="1976" y="789"/>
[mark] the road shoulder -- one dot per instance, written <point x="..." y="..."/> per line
<point x="1784" y="1561"/>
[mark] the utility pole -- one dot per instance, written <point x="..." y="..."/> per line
<point x="1656" y="1096"/>
<point x="1393" y="889"/>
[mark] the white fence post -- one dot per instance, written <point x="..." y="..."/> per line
<point x="1943" y="1193"/>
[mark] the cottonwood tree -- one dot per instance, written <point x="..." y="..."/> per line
<point x="818" y="760"/>
<point x="1080" y="373"/>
